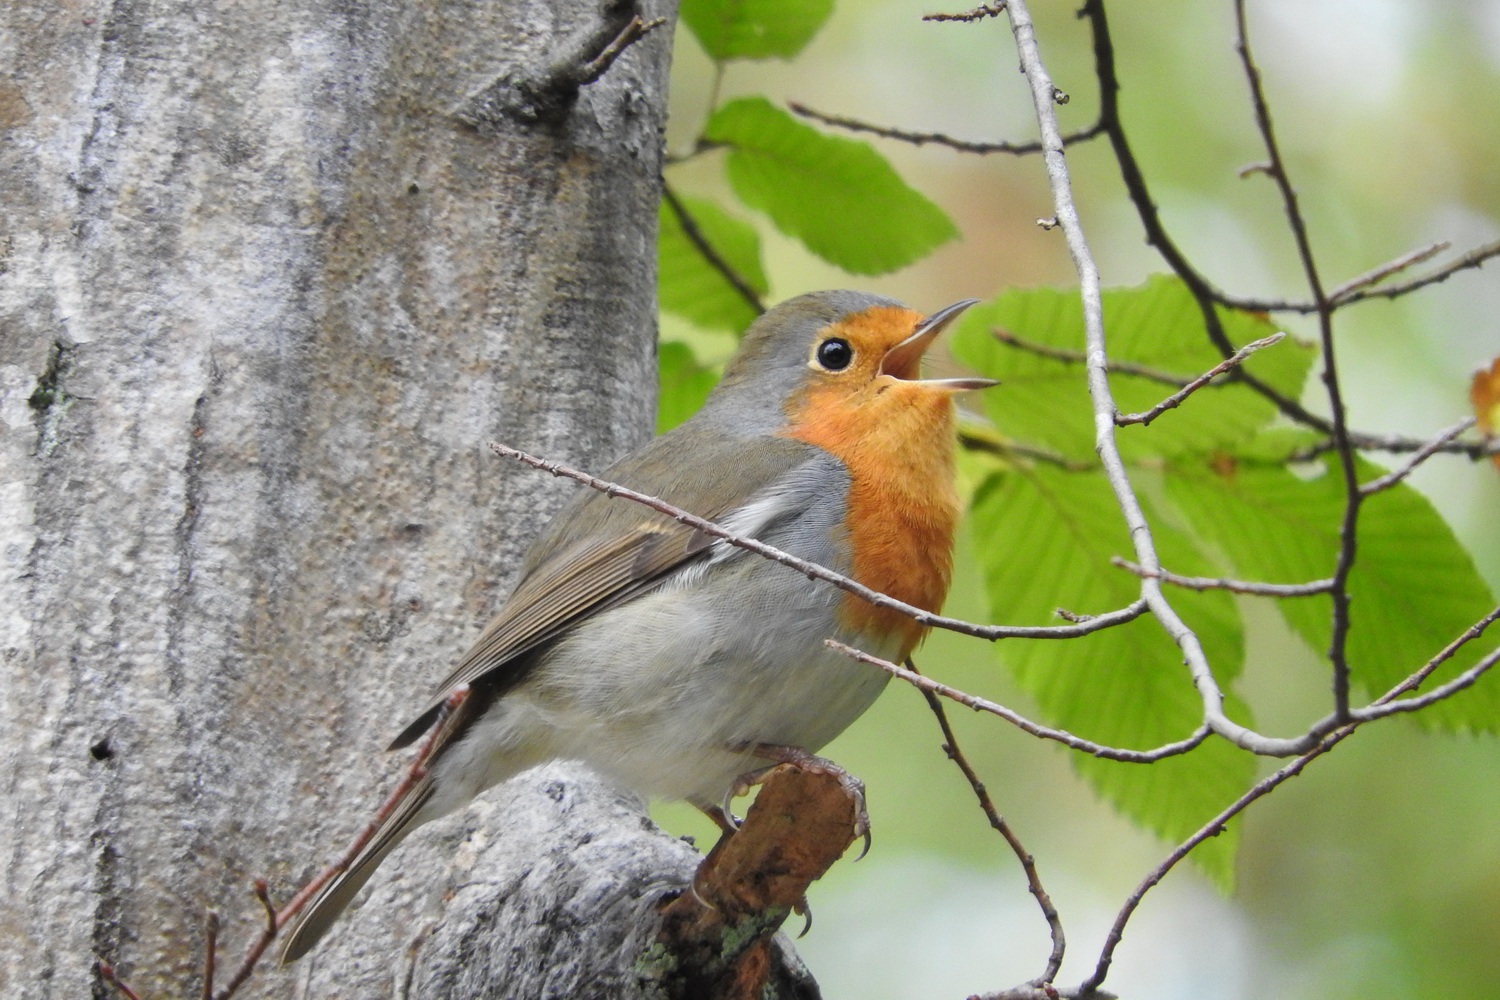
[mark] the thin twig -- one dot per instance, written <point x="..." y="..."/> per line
<point x="1376" y="275"/>
<point x="977" y="14"/>
<point x="1422" y="454"/>
<point x="210" y="952"/>
<point x="1042" y="96"/>
<point x="998" y="823"/>
<point x="974" y="441"/>
<point x="1071" y="357"/>
<point x="277" y="919"/>
<point x="715" y="260"/>
<point x="1309" y="589"/>
<point x="1327" y="740"/>
<point x="1471" y="259"/>
<point x="927" y="685"/>
<point x="815" y="572"/>
<point x="1212" y="828"/>
<point x="1437" y="694"/>
<point x="937" y="138"/>
<point x="1338" y="653"/>
<point x="107" y="973"/>
<point x="1175" y="400"/>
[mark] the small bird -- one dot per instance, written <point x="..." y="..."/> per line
<point x="674" y="663"/>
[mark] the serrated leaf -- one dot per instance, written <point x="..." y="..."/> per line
<point x="1157" y="325"/>
<point x="838" y="196"/>
<point x="1413" y="589"/>
<point x="684" y="384"/>
<point x="754" y="29"/>
<point x="691" y="287"/>
<point x="1054" y="533"/>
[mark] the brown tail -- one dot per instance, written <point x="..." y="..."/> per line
<point x="315" y="919"/>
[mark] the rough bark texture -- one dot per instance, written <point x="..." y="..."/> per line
<point x="263" y="297"/>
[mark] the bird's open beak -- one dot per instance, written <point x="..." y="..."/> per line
<point x="904" y="361"/>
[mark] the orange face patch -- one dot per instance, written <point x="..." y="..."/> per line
<point x="895" y="438"/>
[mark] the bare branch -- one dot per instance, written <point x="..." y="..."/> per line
<point x="210" y="952"/>
<point x="977" y="14"/>
<point x="710" y="254"/>
<point x="1339" y="431"/>
<point x="1081" y="358"/>
<point x="927" y="685"/>
<point x="937" y="138"/>
<point x="107" y="973"/>
<point x="1437" y="694"/>
<point x="1361" y="293"/>
<point x="1210" y="829"/>
<point x="998" y="823"/>
<point x="1042" y="97"/>
<point x="1423" y="453"/>
<point x="1233" y="586"/>
<point x="1375" y="276"/>
<point x="1175" y="400"/>
<point x="815" y="572"/>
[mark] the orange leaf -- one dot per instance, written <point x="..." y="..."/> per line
<point x="1484" y="393"/>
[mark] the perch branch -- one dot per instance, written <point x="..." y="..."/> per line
<point x="1000" y="826"/>
<point x="815" y="572"/>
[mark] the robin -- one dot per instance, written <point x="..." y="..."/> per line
<point x="679" y="665"/>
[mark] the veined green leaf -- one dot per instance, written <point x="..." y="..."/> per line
<point x="688" y="285"/>
<point x="1055" y="533"/>
<point x="754" y="29"/>
<point x="1413" y="589"/>
<point x="838" y="196"/>
<point x="1157" y="325"/>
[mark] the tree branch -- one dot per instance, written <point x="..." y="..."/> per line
<point x="927" y="685"/>
<point x="710" y="254"/>
<point x="938" y="138"/>
<point x="814" y="571"/>
<point x="998" y="823"/>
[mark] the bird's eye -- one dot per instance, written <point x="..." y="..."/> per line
<point x="835" y="354"/>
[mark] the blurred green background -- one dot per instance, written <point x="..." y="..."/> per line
<point x="1375" y="874"/>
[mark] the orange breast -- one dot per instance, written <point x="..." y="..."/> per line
<point x="896" y="440"/>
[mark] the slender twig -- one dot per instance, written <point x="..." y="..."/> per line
<point x="1212" y="828"/>
<point x="1474" y="258"/>
<point x="107" y="973"/>
<point x="1338" y="655"/>
<point x="1327" y="740"/>
<point x="1309" y="589"/>
<point x="937" y="138"/>
<point x="977" y="441"/>
<point x="1063" y="354"/>
<point x="927" y="685"/>
<point x="635" y="29"/>
<point x="1175" y="400"/>
<point x="210" y="952"/>
<point x="1422" y="454"/>
<point x="1437" y="694"/>
<point x="1042" y="96"/>
<point x="715" y="260"/>
<point x="1376" y="275"/>
<point x="1000" y="826"/>
<point x="813" y="571"/>
<point x="277" y="919"/>
<point x="977" y="14"/>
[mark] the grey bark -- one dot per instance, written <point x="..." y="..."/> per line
<point x="263" y="297"/>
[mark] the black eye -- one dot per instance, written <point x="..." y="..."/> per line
<point x="835" y="354"/>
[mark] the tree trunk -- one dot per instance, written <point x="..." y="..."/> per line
<point x="269" y="278"/>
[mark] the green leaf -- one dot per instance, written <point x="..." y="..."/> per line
<point x="754" y="29"/>
<point x="1413" y="589"/>
<point x="1158" y="325"/>
<point x="838" y="196"/>
<point x="1055" y="533"/>
<point x="688" y="285"/>
<point x="684" y="384"/>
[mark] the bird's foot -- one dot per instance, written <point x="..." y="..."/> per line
<point x="812" y="764"/>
